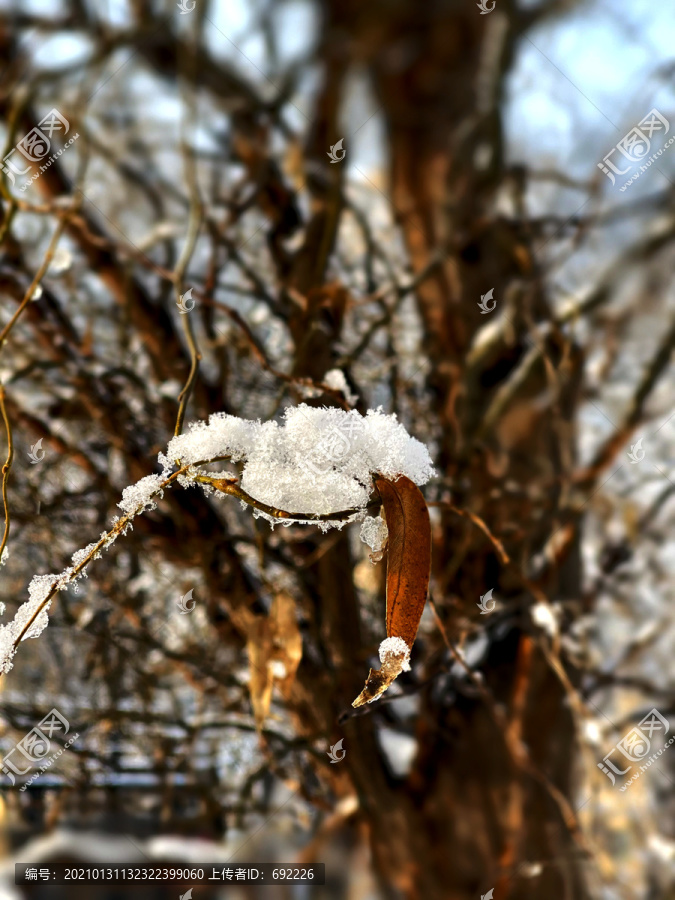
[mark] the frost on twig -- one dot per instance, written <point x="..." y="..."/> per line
<point x="315" y="465"/>
<point x="31" y="617"/>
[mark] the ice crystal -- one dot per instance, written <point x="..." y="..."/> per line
<point x="374" y="533"/>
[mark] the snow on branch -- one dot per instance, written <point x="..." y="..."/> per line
<point x="319" y="460"/>
<point x="316" y="467"/>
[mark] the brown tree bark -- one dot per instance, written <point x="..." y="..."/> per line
<point x="490" y="788"/>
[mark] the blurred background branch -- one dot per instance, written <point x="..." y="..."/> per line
<point x="243" y="206"/>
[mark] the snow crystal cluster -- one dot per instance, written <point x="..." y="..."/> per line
<point x="138" y="497"/>
<point x="336" y="379"/>
<point x="395" y="647"/>
<point x="319" y="460"/>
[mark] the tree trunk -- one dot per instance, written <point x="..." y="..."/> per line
<point x="488" y="801"/>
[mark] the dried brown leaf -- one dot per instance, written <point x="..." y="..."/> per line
<point x="286" y="642"/>
<point x="408" y="570"/>
<point x="259" y="645"/>
<point x="274" y="648"/>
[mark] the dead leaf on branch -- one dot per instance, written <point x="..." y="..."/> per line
<point x="408" y="571"/>
<point x="274" y="648"/>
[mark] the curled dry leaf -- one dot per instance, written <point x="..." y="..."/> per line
<point x="408" y="570"/>
<point x="260" y="681"/>
<point x="274" y="650"/>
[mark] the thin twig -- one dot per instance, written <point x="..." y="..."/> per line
<point x="119" y="526"/>
<point x="5" y="470"/>
<point x="194" y="224"/>
<point x="38" y="277"/>
<point x="9" y="218"/>
<point x="225" y="486"/>
<point x="479" y="523"/>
